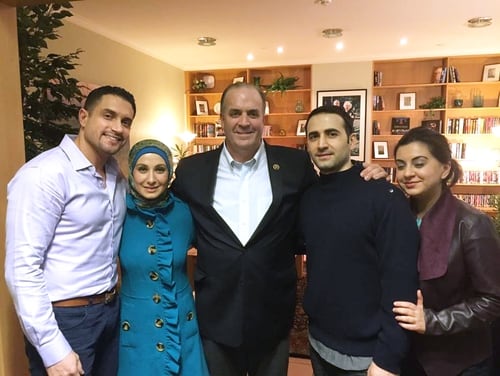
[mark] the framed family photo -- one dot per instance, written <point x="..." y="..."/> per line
<point x="301" y="127"/>
<point x="407" y="101"/>
<point x="380" y="149"/>
<point x="354" y="103"/>
<point x="201" y="108"/>
<point x="491" y="72"/>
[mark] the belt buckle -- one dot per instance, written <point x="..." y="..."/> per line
<point x="108" y="296"/>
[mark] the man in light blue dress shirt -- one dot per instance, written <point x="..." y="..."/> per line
<point x="65" y="210"/>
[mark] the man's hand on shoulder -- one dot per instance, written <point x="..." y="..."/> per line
<point x="375" y="370"/>
<point x="70" y="365"/>
<point x="373" y="171"/>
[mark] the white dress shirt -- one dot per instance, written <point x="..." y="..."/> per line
<point x="64" y="226"/>
<point x="243" y="192"/>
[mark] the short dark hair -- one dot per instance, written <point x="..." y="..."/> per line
<point x="329" y="109"/>
<point x="95" y="96"/>
<point x="238" y="85"/>
<point x="438" y="147"/>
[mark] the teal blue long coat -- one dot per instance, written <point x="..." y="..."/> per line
<point x="159" y="330"/>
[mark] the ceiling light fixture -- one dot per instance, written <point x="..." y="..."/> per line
<point x="323" y="2"/>
<point x="206" y="41"/>
<point x="479" y="22"/>
<point x="332" y="33"/>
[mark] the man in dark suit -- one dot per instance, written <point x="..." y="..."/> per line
<point x="244" y="198"/>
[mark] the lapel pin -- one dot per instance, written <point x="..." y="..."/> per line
<point x="276" y="167"/>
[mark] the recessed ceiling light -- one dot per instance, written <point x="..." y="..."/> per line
<point x="332" y="33"/>
<point x="206" y="41"/>
<point x="280" y="50"/>
<point x="479" y="22"/>
<point x="323" y="2"/>
<point x="250" y="56"/>
<point x="403" y="41"/>
<point x="339" y="46"/>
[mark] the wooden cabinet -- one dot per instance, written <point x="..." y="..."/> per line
<point x="469" y="129"/>
<point x="285" y="109"/>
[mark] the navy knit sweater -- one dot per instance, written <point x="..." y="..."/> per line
<point x="362" y="243"/>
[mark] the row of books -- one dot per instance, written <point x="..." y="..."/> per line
<point x="446" y="74"/>
<point x="479" y="201"/>
<point x="208" y="130"/>
<point x="458" y="150"/>
<point x="477" y="125"/>
<point x="469" y="177"/>
<point x="480" y="177"/>
<point x="197" y="148"/>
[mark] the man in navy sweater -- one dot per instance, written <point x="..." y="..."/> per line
<point x="362" y="243"/>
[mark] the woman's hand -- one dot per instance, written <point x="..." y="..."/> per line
<point x="373" y="171"/>
<point x="410" y="316"/>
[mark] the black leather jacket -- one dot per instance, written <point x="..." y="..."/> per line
<point x="460" y="305"/>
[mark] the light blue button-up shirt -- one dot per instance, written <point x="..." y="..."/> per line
<point x="64" y="225"/>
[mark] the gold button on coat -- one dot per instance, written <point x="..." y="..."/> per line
<point x="150" y="223"/>
<point x="160" y="347"/>
<point x="156" y="298"/>
<point x="152" y="249"/>
<point x="126" y="326"/>
<point x="153" y="276"/>
<point x="190" y="316"/>
<point x="159" y="323"/>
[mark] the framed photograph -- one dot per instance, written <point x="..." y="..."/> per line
<point x="301" y="127"/>
<point x="238" y="79"/>
<point x="354" y="103"/>
<point x="407" y="101"/>
<point x="201" y="108"/>
<point x="380" y="149"/>
<point x="491" y="72"/>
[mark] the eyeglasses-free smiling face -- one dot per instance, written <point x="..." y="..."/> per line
<point x="418" y="172"/>
<point x="243" y="121"/>
<point x="105" y="128"/>
<point x="328" y="143"/>
<point x="150" y="176"/>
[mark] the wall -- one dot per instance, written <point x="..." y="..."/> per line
<point x="158" y="88"/>
<point x="346" y="76"/>
<point x="12" y="157"/>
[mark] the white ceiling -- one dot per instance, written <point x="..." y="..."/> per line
<point x="168" y="29"/>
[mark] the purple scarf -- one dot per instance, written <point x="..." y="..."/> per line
<point x="436" y="232"/>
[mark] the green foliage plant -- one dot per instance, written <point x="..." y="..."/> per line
<point x="50" y="96"/>
<point x="283" y="84"/>
<point x="434" y="102"/>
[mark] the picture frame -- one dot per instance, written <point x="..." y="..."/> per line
<point x="238" y="79"/>
<point x="301" y="127"/>
<point x="407" y="101"/>
<point x="201" y="107"/>
<point x="380" y="149"/>
<point x="356" y="98"/>
<point x="491" y="72"/>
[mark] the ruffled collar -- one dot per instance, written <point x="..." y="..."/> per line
<point x="436" y="233"/>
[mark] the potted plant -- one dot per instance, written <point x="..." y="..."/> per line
<point x="283" y="84"/>
<point x="49" y="95"/>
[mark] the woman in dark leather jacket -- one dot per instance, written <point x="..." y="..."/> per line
<point x="459" y="265"/>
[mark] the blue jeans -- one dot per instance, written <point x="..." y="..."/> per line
<point x="92" y="332"/>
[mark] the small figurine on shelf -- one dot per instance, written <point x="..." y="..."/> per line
<point x="198" y="85"/>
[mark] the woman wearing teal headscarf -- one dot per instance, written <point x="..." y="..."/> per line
<point x="159" y="330"/>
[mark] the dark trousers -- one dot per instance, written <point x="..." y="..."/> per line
<point x="322" y="368"/>
<point x="413" y="368"/>
<point x="240" y="361"/>
<point x="92" y="332"/>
